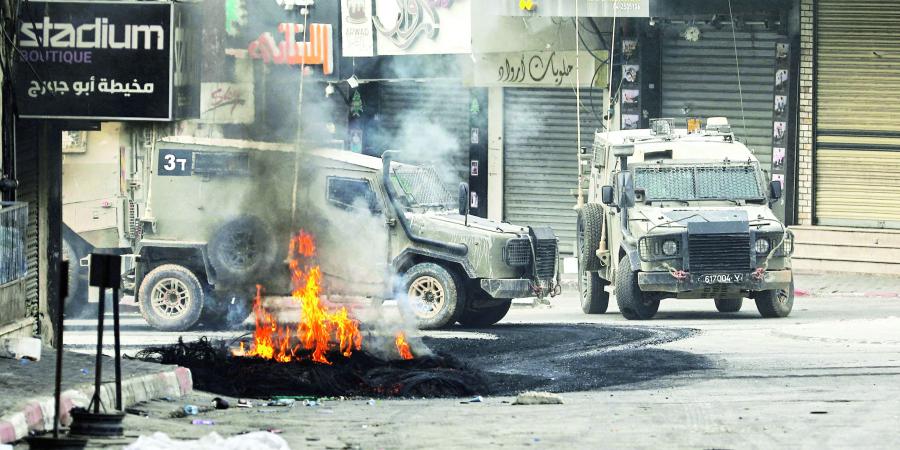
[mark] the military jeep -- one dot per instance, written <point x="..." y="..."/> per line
<point x="220" y="214"/>
<point x="672" y="214"/>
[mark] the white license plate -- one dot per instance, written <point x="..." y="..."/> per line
<point x="722" y="278"/>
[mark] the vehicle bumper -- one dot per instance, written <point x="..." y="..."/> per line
<point x="508" y="288"/>
<point x="667" y="282"/>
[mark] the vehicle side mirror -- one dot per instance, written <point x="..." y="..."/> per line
<point x="775" y="190"/>
<point x="606" y="195"/>
<point x="463" y="199"/>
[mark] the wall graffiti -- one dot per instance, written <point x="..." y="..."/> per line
<point x="318" y="51"/>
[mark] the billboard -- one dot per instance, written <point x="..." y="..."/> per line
<point x="98" y="60"/>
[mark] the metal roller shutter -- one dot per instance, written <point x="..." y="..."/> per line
<point x="701" y="78"/>
<point x="857" y="126"/>
<point x="429" y="122"/>
<point x="27" y="174"/>
<point x="541" y="159"/>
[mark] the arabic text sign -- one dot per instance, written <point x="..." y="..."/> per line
<point x="110" y="61"/>
<point x="227" y="103"/>
<point x="423" y="27"/>
<point x="535" y="69"/>
<point x="357" y="39"/>
<point x="317" y="51"/>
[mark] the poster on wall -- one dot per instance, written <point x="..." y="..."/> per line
<point x="630" y="94"/>
<point x="423" y="27"/>
<point x="782" y="125"/>
<point x="357" y="37"/>
<point x="96" y="61"/>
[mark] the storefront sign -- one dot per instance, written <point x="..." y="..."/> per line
<point x="357" y="39"/>
<point x="226" y="103"/>
<point x="422" y="27"/>
<point x="566" y="8"/>
<point x="96" y="61"/>
<point x="316" y="52"/>
<point x="534" y="69"/>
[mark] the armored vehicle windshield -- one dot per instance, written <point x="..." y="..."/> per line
<point x="700" y="182"/>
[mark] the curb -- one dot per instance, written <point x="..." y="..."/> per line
<point x="37" y="414"/>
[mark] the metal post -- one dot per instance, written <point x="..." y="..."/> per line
<point x="60" y="318"/>
<point x="118" y="346"/>
<point x="101" y="311"/>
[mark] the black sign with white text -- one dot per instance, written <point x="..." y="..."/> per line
<point x="95" y="60"/>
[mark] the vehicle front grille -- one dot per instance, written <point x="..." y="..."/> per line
<point x="517" y="252"/>
<point x="546" y="252"/>
<point x="716" y="253"/>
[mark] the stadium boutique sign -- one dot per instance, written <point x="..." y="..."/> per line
<point x="96" y="60"/>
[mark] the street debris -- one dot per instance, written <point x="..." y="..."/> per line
<point x="215" y="369"/>
<point x="191" y="410"/>
<point x="244" y="403"/>
<point x="220" y="403"/>
<point x="257" y="440"/>
<point x="538" y="398"/>
<point x="202" y="422"/>
<point x="22" y="348"/>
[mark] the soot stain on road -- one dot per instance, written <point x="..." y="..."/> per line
<point x="567" y="358"/>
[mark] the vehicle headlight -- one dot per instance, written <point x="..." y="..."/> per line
<point x="762" y="246"/>
<point x="670" y="248"/>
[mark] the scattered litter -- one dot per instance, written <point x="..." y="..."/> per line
<point x="220" y="403"/>
<point x="137" y="412"/>
<point x="191" y="410"/>
<point x="6" y="447"/>
<point x="274" y="430"/>
<point x="476" y="399"/>
<point x="310" y="403"/>
<point x="266" y="411"/>
<point x="289" y="402"/>
<point x="538" y="398"/>
<point x="818" y="412"/>
<point x="313" y="439"/>
<point x="258" y="440"/>
<point x="21" y="348"/>
<point x="295" y="398"/>
<point x="202" y="422"/>
<point x="85" y="371"/>
<point x="371" y="402"/>
<point x="244" y="403"/>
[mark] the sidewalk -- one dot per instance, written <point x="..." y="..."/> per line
<point x="26" y="388"/>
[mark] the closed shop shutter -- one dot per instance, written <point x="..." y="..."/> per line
<point x="858" y="114"/>
<point x="428" y="122"/>
<point x="27" y="174"/>
<point x="700" y="79"/>
<point x="541" y="157"/>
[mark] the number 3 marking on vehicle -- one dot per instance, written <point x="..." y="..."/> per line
<point x="172" y="162"/>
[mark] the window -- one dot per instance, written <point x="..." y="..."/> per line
<point x="699" y="182"/>
<point x="350" y="193"/>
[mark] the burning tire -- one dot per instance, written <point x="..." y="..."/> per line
<point x="434" y="294"/>
<point x="171" y="298"/>
<point x="729" y="305"/>
<point x="594" y="298"/>
<point x="241" y="250"/>
<point x="633" y="303"/>
<point x="590" y="226"/>
<point x="775" y="304"/>
<point x="484" y="317"/>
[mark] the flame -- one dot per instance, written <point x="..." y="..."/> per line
<point x="403" y="346"/>
<point x="317" y="328"/>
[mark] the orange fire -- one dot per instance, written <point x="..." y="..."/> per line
<point x="318" y="327"/>
<point x="403" y="346"/>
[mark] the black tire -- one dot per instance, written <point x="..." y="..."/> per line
<point x="434" y="294"/>
<point x="77" y="302"/>
<point x="776" y="303"/>
<point x="485" y="317"/>
<point x="590" y="225"/>
<point x="171" y="298"/>
<point x="594" y="298"/>
<point x="633" y="303"/>
<point x="242" y="251"/>
<point x="729" y="305"/>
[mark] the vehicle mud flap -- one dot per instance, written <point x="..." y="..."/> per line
<point x="242" y="250"/>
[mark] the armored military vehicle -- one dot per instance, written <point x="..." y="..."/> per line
<point x="672" y="214"/>
<point x="220" y="214"/>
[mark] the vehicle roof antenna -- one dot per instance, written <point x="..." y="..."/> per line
<point x="737" y="63"/>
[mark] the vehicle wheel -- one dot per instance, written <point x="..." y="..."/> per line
<point x="633" y="303"/>
<point x="77" y="302"/>
<point x="590" y="225"/>
<point x="242" y="250"/>
<point x="171" y="298"/>
<point x="729" y="305"/>
<point x="434" y="294"/>
<point x="485" y="317"/>
<point x="776" y="303"/>
<point x="594" y="299"/>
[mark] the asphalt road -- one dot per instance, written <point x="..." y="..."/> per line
<point x="827" y="376"/>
